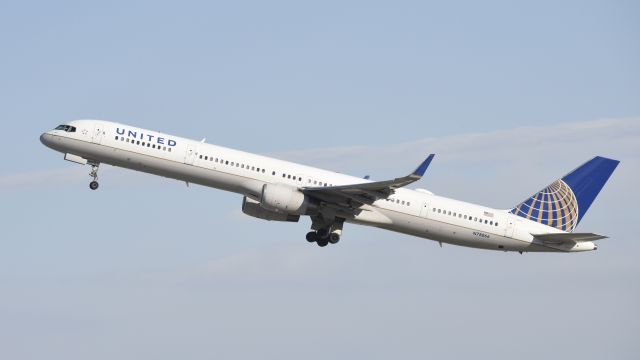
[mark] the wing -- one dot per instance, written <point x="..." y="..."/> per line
<point x="563" y="238"/>
<point x="355" y="195"/>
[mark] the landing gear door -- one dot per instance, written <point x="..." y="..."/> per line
<point x="190" y="156"/>
<point x="98" y="133"/>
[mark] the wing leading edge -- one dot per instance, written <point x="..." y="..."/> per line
<point x="367" y="192"/>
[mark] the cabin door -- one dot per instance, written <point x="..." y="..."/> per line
<point x="508" y="230"/>
<point x="98" y="133"/>
<point x="190" y="155"/>
<point x="424" y="211"/>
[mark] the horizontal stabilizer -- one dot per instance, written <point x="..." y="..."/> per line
<point x="561" y="238"/>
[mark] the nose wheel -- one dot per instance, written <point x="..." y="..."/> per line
<point x="93" y="185"/>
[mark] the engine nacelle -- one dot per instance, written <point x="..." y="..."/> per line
<point x="253" y="208"/>
<point x="284" y="198"/>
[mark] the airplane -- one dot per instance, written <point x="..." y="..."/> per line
<point x="278" y="190"/>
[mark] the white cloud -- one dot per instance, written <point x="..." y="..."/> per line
<point x="611" y="136"/>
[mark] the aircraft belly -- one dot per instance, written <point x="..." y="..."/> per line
<point x="455" y="235"/>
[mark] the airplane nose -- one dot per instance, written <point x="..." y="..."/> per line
<point x="45" y="139"/>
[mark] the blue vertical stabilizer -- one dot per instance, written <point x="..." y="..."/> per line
<point x="563" y="203"/>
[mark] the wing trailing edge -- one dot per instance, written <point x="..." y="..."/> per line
<point x="369" y="192"/>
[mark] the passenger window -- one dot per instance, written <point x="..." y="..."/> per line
<point x="169" y="149"/>
<point x="263" y="171"/>
<point x="299" y="179"/>
<point x="127" y="139"/>
<point x="454" y="214"/>
<point x="402" y="202"/>
<point x="465" y="217"/>
<point x="116" y="137"/>
<point x="496" y="223"/>
<point x="206" y="158"/>
<point x="138" y="142"/>
<point x="485" y="221"/>
<point x="408" y="203"/>
<point x="434" y="209"/>
<point x="200" y="156"/>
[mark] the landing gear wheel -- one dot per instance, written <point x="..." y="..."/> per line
<point x="312" y="236"/>
<point x="93" y="185"/>
<point x="322" y="242"/>
<point x="334" y="238"/>
<point x="323" y="233"/>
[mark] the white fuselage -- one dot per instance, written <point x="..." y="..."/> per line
<point x="414" y="212"/>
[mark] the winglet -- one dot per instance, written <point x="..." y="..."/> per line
<point x="423" y="167"/>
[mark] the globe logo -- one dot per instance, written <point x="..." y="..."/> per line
<point x="556" y="206"/>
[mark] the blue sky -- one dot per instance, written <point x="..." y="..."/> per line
<point x="510" y="96"/>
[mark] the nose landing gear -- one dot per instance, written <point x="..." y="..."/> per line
<point x="93" y="185"/>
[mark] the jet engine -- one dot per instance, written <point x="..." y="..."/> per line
<point x="284" y="199"/>
<point x="253" y="208"/>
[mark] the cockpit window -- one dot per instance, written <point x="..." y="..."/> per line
<point x="66" y="128"/>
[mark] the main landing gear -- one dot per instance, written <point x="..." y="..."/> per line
<point x="326" y="235"/>
<point x="93" y="185"/>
